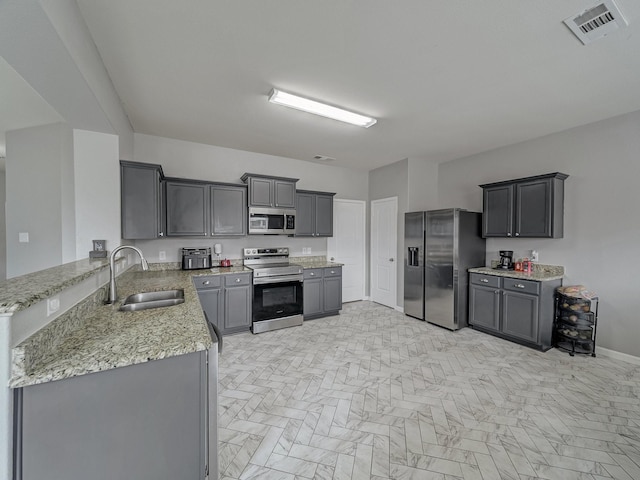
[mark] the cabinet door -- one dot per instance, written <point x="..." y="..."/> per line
<point x="520" y="316"/>
<point x="332" y="294"/>
<point x="237" y="308"/>
<point x="305" y="215"/>
<point x="312" y="297"/>
<point x="211" y="303"/>
<point x="285" y="194"/>
<point x="324" y="216"/>
<point x="497" y="218"/>
<point x="187" y="209"/>
<point x="484" y="307"/>
<point x="260" y="192"/>
<point x="533" y="208"/>
<point x="141" y="202"/>
<point x="228" y="210"/>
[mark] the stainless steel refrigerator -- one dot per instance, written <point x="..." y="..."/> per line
<point x="440" y="245"/>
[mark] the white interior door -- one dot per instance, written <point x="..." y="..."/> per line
<point x="347" y="246"/>
<point x="384" y="240"/>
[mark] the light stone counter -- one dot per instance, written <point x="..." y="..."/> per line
<point x="541" y="273"/>
<point x="100" y="337"/>
<point x="314" y="262"/>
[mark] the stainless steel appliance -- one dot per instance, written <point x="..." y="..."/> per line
<point x="272" y="221"/>
<point x="196" y="258"/>
<point x="506" y="260"/>
<point x="277" y="289"/>
<point x="440" y="245"/>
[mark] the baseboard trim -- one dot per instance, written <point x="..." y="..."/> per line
<point x="625" y="357"/>
<point x="399" y="309"/>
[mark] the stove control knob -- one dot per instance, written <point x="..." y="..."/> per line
<point x="254" y="251"/>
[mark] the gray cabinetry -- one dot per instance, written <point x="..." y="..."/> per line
<point x="527" y="207"/>
<point x="322" y="292"/>
<point x="512" y="308"/>
<point x="145" y="421"/>
<point x="205" y="209"/>
<point x="228" y="210"/>
<point x="226" y="300"/>
<point x="314" y="214"/>
<point x="267" y="191"/>
<point x="187" y="208"/>
<point x="142" y="197"/>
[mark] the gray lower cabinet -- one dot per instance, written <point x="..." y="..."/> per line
<point x="205" y="209"/>
<point x="142" y="200"/>
<point x="145" y="421"/>
<point x="512" y="308"/>
<point x="314" y="214"/>
<point x="531" y="207"/>
<point x="322" y="292"/>
<point x="226" y="300"/>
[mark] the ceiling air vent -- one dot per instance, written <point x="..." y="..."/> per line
<point x="596" y="22"/>
<point x="323" y="158"/>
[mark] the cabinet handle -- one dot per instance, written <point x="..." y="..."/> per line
<point x="312" y="274"/>
<point x="496" y="291"/>
<point x="332" y="259"/>
<point x="332" y="272"/>
<point x="509" y="234"/>
<point x="206" y="282"/>
<point x="161" y="234"/>
<point x="484" y="280"/>
<point x="517" y="234"/>
<point x="238" y="280"/>
<point x="518" y="285"/>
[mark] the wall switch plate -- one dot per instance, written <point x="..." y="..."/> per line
<point x="534" y="255"/>
<point x="53" y="305"/>
<point x="23" y="237"/>
<point x="162" y="255"/>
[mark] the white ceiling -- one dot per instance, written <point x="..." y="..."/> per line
<point x="445" y="79"/>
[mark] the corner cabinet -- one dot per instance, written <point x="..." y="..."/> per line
<point x="142" y="201"/>
<point x="204" y="209"/>
<point x="267" y="191"/>
<point x="314" y="214"/>
<point x="531" y="207"/>
<point x="322" y="292"/>
<point x="513" y="308"/>
<point x="226" y="300"/>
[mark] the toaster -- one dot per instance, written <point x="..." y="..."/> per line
<point x="196" y="258"/>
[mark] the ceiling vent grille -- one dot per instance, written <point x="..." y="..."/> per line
<point x="596" y="22"/>
<point x="323" y="158"/>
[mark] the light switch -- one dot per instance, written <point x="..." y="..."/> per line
<point x="23" y="237"/>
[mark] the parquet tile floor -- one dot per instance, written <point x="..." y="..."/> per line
<point x="374" y="394"/>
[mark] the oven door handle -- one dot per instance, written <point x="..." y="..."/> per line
<point x="268" y="280"/>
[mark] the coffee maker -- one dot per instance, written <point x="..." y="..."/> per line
<point x="506" y="260"/>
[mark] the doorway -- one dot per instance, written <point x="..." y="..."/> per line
<point x="384" y="247"/>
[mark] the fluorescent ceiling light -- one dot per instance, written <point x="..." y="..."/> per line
<point x="317" y="108"/>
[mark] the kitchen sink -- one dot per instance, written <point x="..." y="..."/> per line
<point x="146" y="300"/>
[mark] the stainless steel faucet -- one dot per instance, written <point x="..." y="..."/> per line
<point x="113" y="295"/>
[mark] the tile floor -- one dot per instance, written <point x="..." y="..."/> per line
<point x="373" y="394"/>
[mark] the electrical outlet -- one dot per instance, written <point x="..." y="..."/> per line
<point x="162" y="255"/>
<point x="53" y="305"/>
<point x="534" y="255"/>
<point x="23" y="237"/>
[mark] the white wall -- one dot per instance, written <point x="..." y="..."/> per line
<point x="3" y="227"/>
<point x="38" y="162"/>
<point x="97" y="191"/>
<point x="601" y="224"/>
<point x="422" y="185"/>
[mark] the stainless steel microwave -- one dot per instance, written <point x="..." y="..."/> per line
<point x="272" y="221"/>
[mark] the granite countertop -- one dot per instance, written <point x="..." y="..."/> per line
<point x="21" y="292"/>
<point x="314" y="262"/>
<point x="108" y="338"/>
<point x="541" y="273"/>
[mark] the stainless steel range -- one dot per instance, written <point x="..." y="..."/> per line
<point x="277" y="289"/>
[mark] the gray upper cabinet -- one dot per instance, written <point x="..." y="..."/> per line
<point x="142" y="197"/>
<point x="267" y="191"/>
<point x="314" y="214"/>
<point x="205" y="209"/>
<point x="531" y="207"/>
<point x="187" y="208"/>
<point x="228" y="210"/>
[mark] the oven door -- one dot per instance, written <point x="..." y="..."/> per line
<point x="277" y="300"/>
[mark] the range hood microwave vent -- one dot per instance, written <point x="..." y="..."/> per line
<point x="596" y="22"/>
<point x="324" y="158"/>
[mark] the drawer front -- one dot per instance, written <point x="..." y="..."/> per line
<point x="332" y="272"/>
<point x="310" y="273"/>
<point x="523" y="286"/>
<point x="207" y="281"/>
<point x="486" y="280"/>
<point x="237" y="279"/>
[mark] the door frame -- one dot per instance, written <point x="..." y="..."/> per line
<point x="372" y="254"/>
<point x="363" y="246"/>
